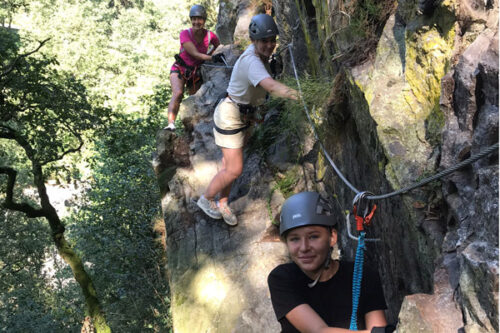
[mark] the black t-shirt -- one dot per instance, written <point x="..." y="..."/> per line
<point x="332" y="299"/>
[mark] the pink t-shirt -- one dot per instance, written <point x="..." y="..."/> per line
<point x="202" y="47"/>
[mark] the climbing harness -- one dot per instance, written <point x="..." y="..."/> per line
<point x="188" y="73"/>
<point x="232" y="131"/>
<point x="244" y="108"/>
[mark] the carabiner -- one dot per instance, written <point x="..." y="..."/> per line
<point x="349" y="233"/>
<point x="359" y="204"/>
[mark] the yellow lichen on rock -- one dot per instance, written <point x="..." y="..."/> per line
<point x="321" y="166"/>
<point x="402" y="88"/>
<point x="427" y="59"/>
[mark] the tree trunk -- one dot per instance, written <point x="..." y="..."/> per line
<point x="82" y="277"/>
<point x="69" y="255"/>
<point x="65" y="251"/>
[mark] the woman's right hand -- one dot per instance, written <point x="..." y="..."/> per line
<point x="219" y="57"/>
<point x="278" y="89"/>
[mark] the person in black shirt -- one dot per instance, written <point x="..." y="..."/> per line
<point x="314" y="293"/>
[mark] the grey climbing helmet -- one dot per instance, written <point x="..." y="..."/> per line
<point x="303" y="209"/>
<point x="262" y="26"/>
<point x="198" y="10"/>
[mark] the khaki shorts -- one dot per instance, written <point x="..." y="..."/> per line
<point x="227" y="116"/>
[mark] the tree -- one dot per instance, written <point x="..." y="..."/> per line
<point x="46" y="115"/>
<point x="7" y="8"/>
<point x="114" y="226"/>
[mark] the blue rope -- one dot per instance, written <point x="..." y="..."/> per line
<point x="356" y="280"/>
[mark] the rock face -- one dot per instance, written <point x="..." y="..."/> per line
<point x="233" y="20"/>
<point x="424" y="98"/>
<point x="431" y="313"/>
<point x="217" y="276"/>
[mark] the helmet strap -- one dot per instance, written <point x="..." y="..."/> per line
<point x="312" y="284"/>
<point x="329" y="257"/>
<point x="328" y="260"/>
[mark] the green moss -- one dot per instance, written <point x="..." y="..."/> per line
<point x="242" y="43"/>
<point x="434" y="125"/>
<point x="381" y="166"/>
<point x="324" y="31"/>
<point x="269" y="208"/>
<point x="311" y="51"/>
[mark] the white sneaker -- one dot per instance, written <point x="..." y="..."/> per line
<point x="227" y="214"/>
<point x="170" y="127"/>
<point x="209" y="207"/>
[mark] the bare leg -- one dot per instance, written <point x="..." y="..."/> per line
<point x="224" y="193"/>
<point x="177" y="85"/>
<point x="232" y="167"/>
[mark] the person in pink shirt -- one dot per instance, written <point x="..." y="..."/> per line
<point x="197" y="46"/>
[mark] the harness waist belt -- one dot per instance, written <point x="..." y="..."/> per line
<point x="244" y="108"/>
<point x="230" y="132"/>
<point x="181" y="62"/>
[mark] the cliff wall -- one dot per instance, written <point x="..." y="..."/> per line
<point x="415" y="91"/>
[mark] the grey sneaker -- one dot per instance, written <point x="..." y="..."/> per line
<point x="209" y="207"/>
<point x="227" y="214"/>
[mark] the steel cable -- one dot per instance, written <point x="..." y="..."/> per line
<point x="443" y="173"/>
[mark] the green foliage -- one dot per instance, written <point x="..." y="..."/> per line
<point x="8" y="8"/>
<point x="30" y="300"/>
<point x="46" y="107"/>
<point x="291" y="121"/>
<point x="117" y="217"/>
<point x="45" y="116"/>
<point x="365" y="17"/>
<point x="286" y="183"/>
<point x="101" y="77"/>
<point x="286" y="124"/>
<point x="120" y="53"/>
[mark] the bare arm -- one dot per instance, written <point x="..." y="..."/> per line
<point x="375" y="319"/>
<point x="193" y="52"/>
<point x="278" y="89"/>
<point x="215" y="44"/>
<point x="306" y="320"/>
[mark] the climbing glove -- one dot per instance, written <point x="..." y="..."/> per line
<point x="385" y="329"/>
<point x="219" y="57"/>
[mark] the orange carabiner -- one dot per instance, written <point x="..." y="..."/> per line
<point x="362" y="221"/>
